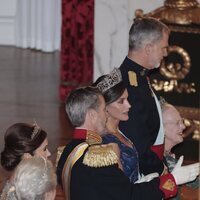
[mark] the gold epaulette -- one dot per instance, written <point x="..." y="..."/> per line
<point x="59" y="152"/>
<point x="132" y="78"/>
<point x="100" y="156"/>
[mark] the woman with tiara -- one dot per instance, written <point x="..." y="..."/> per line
<point x="117" y="106"/>
<point x="23" y="141"/>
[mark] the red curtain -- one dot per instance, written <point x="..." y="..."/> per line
<point x="77" y="44"/>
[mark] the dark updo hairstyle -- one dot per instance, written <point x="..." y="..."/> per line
<point x="113" y="93"/>
<point x="20" y="138"/>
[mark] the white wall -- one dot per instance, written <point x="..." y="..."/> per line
<point x="145" y="5"/>
<point x="7" y="22"/>
<point x="8" y="9"/>
<point x="113" y="19"/>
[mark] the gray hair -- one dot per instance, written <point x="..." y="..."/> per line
<point x="32" y="178"/>
<point x="145" y="29"/>
<point x="79" y="102"/>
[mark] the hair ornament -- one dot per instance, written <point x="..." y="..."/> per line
<point x="110" y="80"/>
<point x="36" y="130"/>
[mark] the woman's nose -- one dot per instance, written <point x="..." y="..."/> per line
<point x="128" y="104"/>
<point x="48" y="153"/>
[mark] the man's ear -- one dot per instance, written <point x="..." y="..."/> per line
<point x="92" y="114"/>
<point x="27" y="155"/>
<point x="148" y="48"/>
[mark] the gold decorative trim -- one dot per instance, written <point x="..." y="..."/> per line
<point x="59" y="153"/>
<point x="173" y="86"/>
<point x="175" y="70"/>
<point x="93" y="138"/>
<point x="183" y="12"/>
<point x="184" y="29"/>
<point x="191" y="121"/>
<point x="192" y="127"/>
<point x="100" y="156"/>
<point x="189" y="112"/>
<point x="181" y="4"/>
<point x="169" y="185"/>
<point x="73" y="157"/>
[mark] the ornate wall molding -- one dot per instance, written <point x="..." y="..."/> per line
<point x="178" y="74"/>
<point x="182" y="12"/>
<point x="191" y="121"/>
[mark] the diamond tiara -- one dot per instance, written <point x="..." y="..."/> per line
<point x="110" y="80"/>
<point x="36" y="130"/>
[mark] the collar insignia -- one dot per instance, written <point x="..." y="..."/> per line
<point x="93" y="138"/>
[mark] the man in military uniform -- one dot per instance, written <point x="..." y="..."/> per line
<point x="148" y="42"/>
<point x="89" y="170"/>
